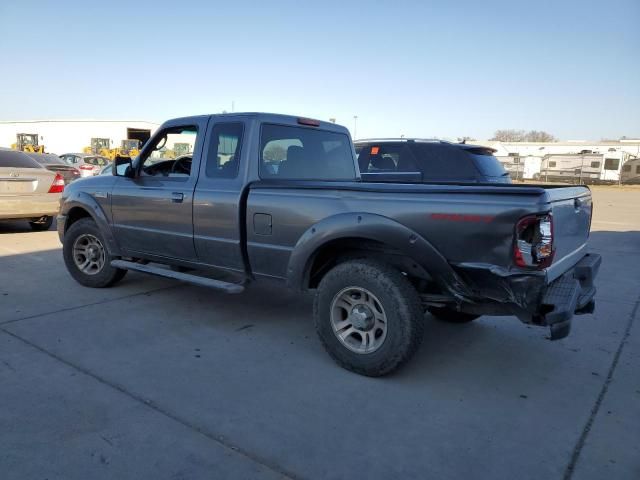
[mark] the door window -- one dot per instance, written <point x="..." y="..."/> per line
<point x="171" y="153"/>
<point x="224" y="155"/>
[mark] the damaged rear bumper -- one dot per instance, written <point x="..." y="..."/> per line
<point x="571" y="294"/>
<point x="530" y="296"/>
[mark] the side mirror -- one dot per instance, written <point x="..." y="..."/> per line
<point x="122" y="167"/>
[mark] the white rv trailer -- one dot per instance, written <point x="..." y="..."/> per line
<point x="631" y="171"/>
<point x="582" y="168"/>
<point x="526" y="167"/>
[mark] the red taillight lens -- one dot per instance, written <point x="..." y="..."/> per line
<point x="58" y="184"/>
<point x="534" y="241"/>
<point x="86" y="167"/>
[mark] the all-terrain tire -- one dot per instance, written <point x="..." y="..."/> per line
<point x="398" y="299"/>
<point x="106" y="275"/>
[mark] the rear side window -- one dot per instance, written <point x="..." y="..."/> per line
<point x="15" y="159"/>
<point x="385" y="157"/>
<point x="440" y="162"/>
<point x="488" y="164"/>
<point x="299" y="153"/>
<point x="224" y="157"/>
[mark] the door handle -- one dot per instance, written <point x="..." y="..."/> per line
<point x="177" y="197"/>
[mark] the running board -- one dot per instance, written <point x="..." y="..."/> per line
<point x="226" y="287"/>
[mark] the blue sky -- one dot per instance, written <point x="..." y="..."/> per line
<point x="418" y="68"/>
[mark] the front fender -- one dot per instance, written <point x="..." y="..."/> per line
<point x="371" y="227"/>
<point x="90" y="205"/>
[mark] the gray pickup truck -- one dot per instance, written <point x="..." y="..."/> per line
<point x="224" y="200"/>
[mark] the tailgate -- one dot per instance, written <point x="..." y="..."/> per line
<point x="571" y="208"/>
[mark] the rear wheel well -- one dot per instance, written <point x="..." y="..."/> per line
<point x="344" y="249"/>
<point x="75" y="214"/>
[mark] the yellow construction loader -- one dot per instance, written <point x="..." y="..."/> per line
<point x="99" y="146"/>
<point x="27" y="142"/>
<point x="129" y="148"/>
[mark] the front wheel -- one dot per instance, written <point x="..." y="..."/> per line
<point x="86" y="256"/>
<point x="368" y="317"/>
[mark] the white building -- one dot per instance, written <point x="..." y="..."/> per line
<point x="60" y="136"/>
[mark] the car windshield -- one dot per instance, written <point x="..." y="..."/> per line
<point x="100" y="161"/>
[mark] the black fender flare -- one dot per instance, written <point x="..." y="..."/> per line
<point x="89" y="204"/>
<point x="371" y="227"/>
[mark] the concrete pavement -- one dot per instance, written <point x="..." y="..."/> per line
<point x="157" y="379"/>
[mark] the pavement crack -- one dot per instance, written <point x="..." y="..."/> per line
<point x="219" y="439"/>
<point x="575" y="456"/>
<point x="84" y="305"/>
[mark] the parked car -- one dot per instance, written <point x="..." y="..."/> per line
<point x="277" y="197"/>
<point x="88" y="163"/>
<point x="417" y="161"/>
<point x="56" y="164"/>
<point x="28" y="190"/>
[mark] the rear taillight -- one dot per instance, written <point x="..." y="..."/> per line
<point x="86" y="167"/>
<point x="58" y="184"/>
<point x="534" y="241"/>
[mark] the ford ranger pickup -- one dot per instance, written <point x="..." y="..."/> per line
<point x="225" y="200"/>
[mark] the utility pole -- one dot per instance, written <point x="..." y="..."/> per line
<point x="355" y="127"/>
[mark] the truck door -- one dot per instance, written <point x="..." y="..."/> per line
<point x="152" y="212"/>
<point x="217" y="200"/>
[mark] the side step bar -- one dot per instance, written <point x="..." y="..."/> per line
<point x="226" y="287"/>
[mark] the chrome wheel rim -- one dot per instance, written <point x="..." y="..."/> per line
<point x="88" y="254"/>
<point x="358" y="320"/>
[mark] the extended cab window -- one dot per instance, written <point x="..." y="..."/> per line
<point x="299" y="153"/>
<point x="224" y="157"/>
<point x="171" y="153"/>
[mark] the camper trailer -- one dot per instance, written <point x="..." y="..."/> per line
<point x="582" y="168"/>
<point x="631" y="172"/>
<point x="521" y="168"/>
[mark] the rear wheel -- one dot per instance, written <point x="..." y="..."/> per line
<point x="368" y="317"/>
<point x="41" y="224"/>
<point x="452" y="316"/>
<point x="86" y="256"/>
